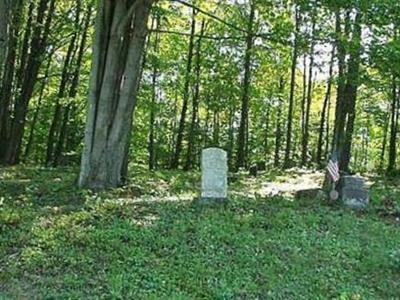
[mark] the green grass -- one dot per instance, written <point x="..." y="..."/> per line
<point x="149" y="241"/>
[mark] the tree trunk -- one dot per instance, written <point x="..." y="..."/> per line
<point x="243" y="128"/>
<point x="216" y="129"/>
<point x="8" y="76"/>
<point x="231" y="136"/>
<point x="174" y="124"/>
<point x="287" y="161"/>
<point x="351" y="90"/>
<point x="278" y="132"/>
<point x="325" y="109"/>
<point x="25" y="45"/>
<point x="125" y="164"/>
<point x="306" y="133"/>
<point x="34" y="61"/>
<point x="181" y="128"/>
<point x="393" y="128"/>
<point x="151" y="146"/>
<point x="120" y="35"/>
<point x="206" y="128"/>
<point x="36" y="113"/>
<point x="384" y="140"/>
<point x="57" y="115"/>
<point x="266" y="132"/>
<point x="304" y="96"/>
<point x="190" y="157"/>
<point x="4" y="27"/>
<point x="327" y="129"/>
<point x="182" y="121"/>
<point x="340" y="111"/>
<point x="70" y="109"/>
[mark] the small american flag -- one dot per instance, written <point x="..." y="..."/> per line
<point x="333" y="167"/>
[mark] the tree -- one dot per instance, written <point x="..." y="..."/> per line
<point x="4" y="27"/>
<point x="350" y="91"/>
<point x="287" y="161"/>
<point x="243" y="129"/>
<point x="121" y="29"/>
<point x="182" y="121"/>
<point x="324" y="121"/>
<point x="394" y="124"/>
<point x="29" y="72"/>
<point x="195" y="103"/>
<point x="305" y="137"/>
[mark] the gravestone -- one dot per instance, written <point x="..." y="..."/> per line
<point x="214" y="170"/>
<point x="253" y="170"/>
<point x="261" y="165"/>
<point x="352" y="192"/>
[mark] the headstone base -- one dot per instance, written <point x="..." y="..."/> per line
<point x="209" y="200"/>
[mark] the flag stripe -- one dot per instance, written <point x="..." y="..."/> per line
<point x="333" y="169"/>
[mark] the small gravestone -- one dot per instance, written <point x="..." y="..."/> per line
<point x="214" y="170"/>
<point x="353" y="192"/>
<point x="261" y="165"/>
<point x="253" y="170"/>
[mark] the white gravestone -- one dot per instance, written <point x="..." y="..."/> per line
<point x="214" y="170"/>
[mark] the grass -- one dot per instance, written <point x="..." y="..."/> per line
<point x="149" y="241"/>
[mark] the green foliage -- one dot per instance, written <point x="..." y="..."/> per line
<point x="148" y="240"/>
<point x="395" y="256"/>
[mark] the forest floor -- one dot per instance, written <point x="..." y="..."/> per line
<point x="149" y="240"/>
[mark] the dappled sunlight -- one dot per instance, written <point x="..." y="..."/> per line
<point x="286" y="184"/>
<point x="146" y="221"/>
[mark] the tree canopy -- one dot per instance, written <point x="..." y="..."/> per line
<point x="285" y="82"/>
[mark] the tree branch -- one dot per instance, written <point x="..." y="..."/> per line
<point x="211" y="37"/>
<point x="210" y="15"/>
<point x="260" y="35"/>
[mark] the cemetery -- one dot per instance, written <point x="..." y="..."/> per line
<point x="151" y="239"/>
<point x="199" y="149"/>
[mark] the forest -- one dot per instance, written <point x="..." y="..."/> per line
<point x="107" y="105"/>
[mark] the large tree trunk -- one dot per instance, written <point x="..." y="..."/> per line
<point x="4" y="15"/>
<point x="117" y="54"/>
<point x="23" y="55"/>
<point x="287" y="161"/>
<point x="8" y="75"/>
<point x="351" y="90"/>
<point x="243" y="128"/>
